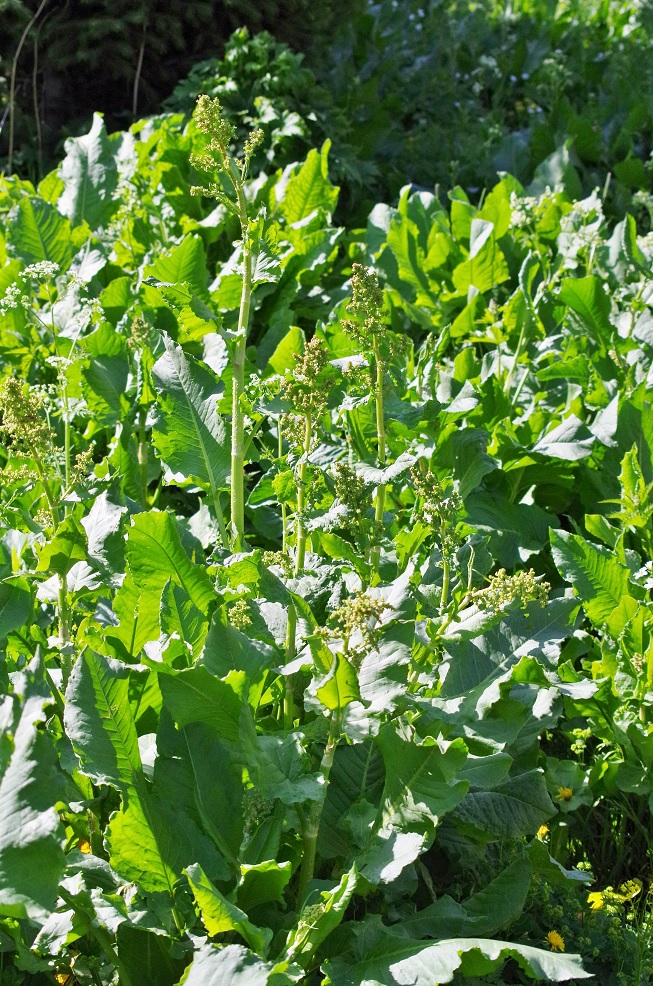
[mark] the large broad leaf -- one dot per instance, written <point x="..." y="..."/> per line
<point x="516" y="807"/>
<point x="195" y="695"/>
<point x="571" y="440"/>
<point x="601" y="581"/>
<point x="227" y="649"/>
<point x="232" y="965"/>
<point x="397" y="962"/>
<point x="589" y="302"/>
<point x="185" y="264"/>
<point x="155" y="555"/>
<point x="149" y="843"/>
<point x="90" y="176"/>
<point x="36" y="232"/>
<point x="15" y="605"/>
<point x="190" y="436"/>
<point x="420" y="778"/>
<point x="220" y="915"/>
<point x="31" y="836"/>
<point x="486" y="265"/>
<point x="485" y="913"/>
<point x="309" y="188"/>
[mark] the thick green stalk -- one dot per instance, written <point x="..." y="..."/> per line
<point x="291" y="650"/>
<point x="312" y="824"/>
<point x="142" y="452"/>
<point x="379" y="506"/>
<point x="446" y="576"/>
<point x="300" y="554"/>
<point x="238" y="384"/>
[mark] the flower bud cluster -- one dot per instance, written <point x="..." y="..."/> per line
<point x="239" y="616"/>
<point x="309" y="385"/>
<point x="359" y="614"/>
<point x="82" y="466"/>
<point x="440" y="507"/>
<point x="350" y="489"/>
<point x="140" y="333"/>
<point x="209" y="119"/>
<point x="22" y="419"/>
<point x="522" y="587"/>
<point x="256" y="808"/>
<point x="366" y="305"/>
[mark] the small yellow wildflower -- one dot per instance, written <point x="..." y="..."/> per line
<point x="565" y="794"/>
<point x="542" y="832"/>
<point x="555" y="941"/>
<point x="596" y="901"/>
<point x="64" y="978"/>
<point x="84" y="846"/>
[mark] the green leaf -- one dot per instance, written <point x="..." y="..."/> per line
<point x="486" y="265"/>
<point x="15" y="604"/>
<point x="394" y="962"/>
<point x="189" y="435"/>
<point x="316" y="923"/>
<point x="147" y="957"/>
<point x="570" y="440"/>
<point x="148" y="842"/>
<point x="179" y="615"/>
<point x="105" y="388"/>
<point x="516" y="807"/>
<point x="340" y="686"/>
<point x="420" y="778"/>
<point x="262" y="883"/>
<point x="231" y="965"/>
<point x="90" y="176"/>
<point x="195" y="695"/>
<point x="184" y="264"/>
<point x="66" y="547"/>
<point x="586" y="297"/>
<point x="599" y="579"/>
<point x="219" y="915"/>
<point x="309" y="188"/>
<point x="155" y="554"/>
<point x="31" y="836"/>
<point x="227" y="649"/>
<point x="36" y="232"/>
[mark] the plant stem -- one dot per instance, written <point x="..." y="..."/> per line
<point x="142" y="452"/>
<point x="446" y="576"/>
<point x="238" y="383"/>
<point x="379" y="507"/>
<point x="312" y="825"/>
<point x="300" y="553"/>
<point x="288" y="699"/>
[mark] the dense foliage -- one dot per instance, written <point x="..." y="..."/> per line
<point x="492" y="86"/>
<point x="326" y="572"/>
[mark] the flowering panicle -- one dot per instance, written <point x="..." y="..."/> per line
<point x="22" y="419"/>
<point x="440" y="507"/>
<point x="359" y="614"/>
<point x="522" y="587"/>
<point x="309" y="385"/>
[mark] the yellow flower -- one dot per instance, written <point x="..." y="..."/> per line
<point x="596" y="901"/>
<point x="565" y="794"/>
<point x="64" y="978"/>
<point x="542" y="832"/>
<point x="84" y="846"/>
<point x="555" y="941"/>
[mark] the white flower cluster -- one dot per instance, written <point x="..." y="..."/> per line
<point x="41" y="271"/>
<point x="13" y="298"/>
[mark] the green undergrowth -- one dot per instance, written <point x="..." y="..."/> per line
<point x="325" y="575"/>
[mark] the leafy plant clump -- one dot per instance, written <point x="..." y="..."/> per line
<point x="325" y="575"/>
